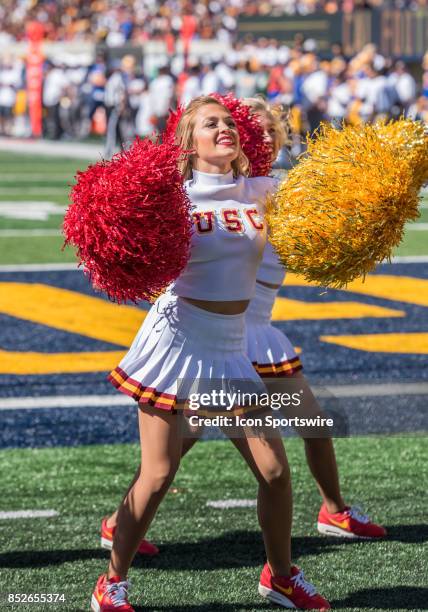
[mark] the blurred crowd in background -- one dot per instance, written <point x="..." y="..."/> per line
<point x="119" y="21"/>
<point x="121" y="101"/>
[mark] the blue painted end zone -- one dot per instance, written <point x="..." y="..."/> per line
<point x="324" y="364"/>
<point x="68" y="426"/>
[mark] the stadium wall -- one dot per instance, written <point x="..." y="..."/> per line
<point x="397" y="33"/>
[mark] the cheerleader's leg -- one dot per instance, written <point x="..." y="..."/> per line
<point x="188" y="443"/>
<point x="320" y="454"/>
<point x="266" y="457"/>
<point x="161" y="436"/>
<point x="321" y="459"/>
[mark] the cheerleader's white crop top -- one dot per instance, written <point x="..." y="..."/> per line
<point x="271" y="269"/>
<point x="228" y="239"/>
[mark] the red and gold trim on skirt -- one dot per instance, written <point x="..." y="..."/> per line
<point x="283" y="368"/>
<point x="167" y="401"/>
<point x="141" y="394"/>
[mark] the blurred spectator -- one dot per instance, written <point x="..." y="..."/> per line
<point x="161" y="97"/>
<point x="314" y="89"/>
<point x="120" y="126"/>
<point x="192" y="86"/>
<point x="419" y="110"/>
<point x="210" y="80"/>
<point x="10" y="83"/>
<point x="404" y="85"/>
<point x="54" y="85"/>
<point x="245" y="80"/>
<point x="339" y="99"/>
<point x="425" y="75"/>
<point x="144" y="120"/>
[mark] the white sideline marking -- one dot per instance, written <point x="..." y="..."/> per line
<point x="380" y="390"/>
<point x="31" y="191"/>
<point x="56" y="232"/>
<point x="68" y="150"/>
<point x="18" y="514"/>
<point x="68" y="401"/>
<point x="40" y="267"/>
<point x="410" y="259"/>
<point x="421" y="227"/>
<point x="10" y="177"/>
<point x="30" y="209"/>
<point x="223" y="504"/>
<point x="95" y="401"/>
<point x="11" y="233"/>
<point x="54" y="267"/>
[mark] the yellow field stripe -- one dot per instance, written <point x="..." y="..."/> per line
<point x="71" y="311"/>
<point x="387" y="286"/>
<point x="416" y="343"/>
<point x="290" y="310"/>
<point x="58" y="363"/>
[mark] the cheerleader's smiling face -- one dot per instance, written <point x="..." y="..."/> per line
<point x="215" y="139"/>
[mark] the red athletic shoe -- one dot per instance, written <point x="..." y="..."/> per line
<point x="111" y="595"/>
<point x="107" y="533"/>
<point x="291" y="591"/>
<point x="351" y="523"/>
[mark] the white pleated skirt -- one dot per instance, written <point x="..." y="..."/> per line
<point x="182" y="349"/>
<point x="269" y="350"/>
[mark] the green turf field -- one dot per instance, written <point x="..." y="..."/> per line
<point x="210" y="559"/>
<point x="46" y="179"/>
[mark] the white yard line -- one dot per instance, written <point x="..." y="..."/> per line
<point x="39" y="232"/>
<point x="224" y="504"/>
<point x="8" y="191"/>
<point x="54" y="267"/>
<point x="24" y="233"/>
<point x="32" y="204"/>
<point x="419" y="227"/>
<point x="30" y="210"/>
<point x="55" y="149"/>
<point x="23" y="514"/>
<point x="372" y="390"/>
<point x="27" y="177"/>
<point x="410" y="259"/>
<point x="67" y="401"/>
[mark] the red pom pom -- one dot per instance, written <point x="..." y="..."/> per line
<point x="250" y="132"/>
<point x="130" y="221"/>
<point x="168" y="135"/>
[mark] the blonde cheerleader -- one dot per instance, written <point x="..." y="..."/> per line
<point x="196" y="332"/>
<point x="273" y="355"/>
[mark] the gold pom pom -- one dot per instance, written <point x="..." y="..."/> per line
<point x="411" y="138"/>
<point x="343" y="208"/>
